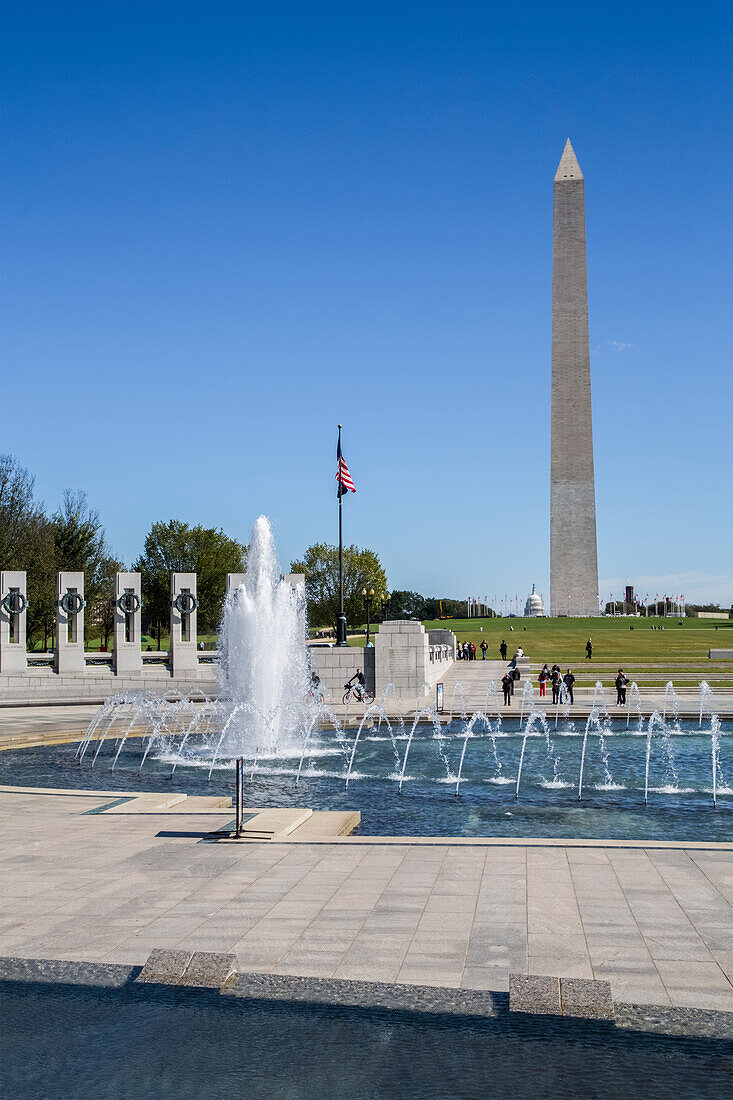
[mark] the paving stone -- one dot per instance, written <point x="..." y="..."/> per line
<point x="209" y="969"/>
<point x="534" y="993"/>
<point x="164" y="967"/>
<point x="583" y="997"/>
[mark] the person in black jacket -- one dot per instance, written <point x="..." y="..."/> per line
<point x="502" y="650"/>
<point x="621" y="682"/>
<point x="556" y="682"/>
<point x="568" y="679"/>
<point x="507" y="684"/>
<point x="589" y="648"/>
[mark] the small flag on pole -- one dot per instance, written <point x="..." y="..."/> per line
<point x="343" y="477"/>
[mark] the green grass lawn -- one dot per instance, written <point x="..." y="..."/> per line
<point x="564" y="639"/>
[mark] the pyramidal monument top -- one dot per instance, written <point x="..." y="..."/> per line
<point x="568" y="168"/>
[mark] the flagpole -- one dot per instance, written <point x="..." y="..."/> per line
<point x="341" y="622"/>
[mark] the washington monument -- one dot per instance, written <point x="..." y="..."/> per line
<point x="573" y="553"/>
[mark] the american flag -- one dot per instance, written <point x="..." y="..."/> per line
<point x="343" y="477"/>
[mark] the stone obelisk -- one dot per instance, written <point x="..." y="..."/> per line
<point x="573" y="552"/>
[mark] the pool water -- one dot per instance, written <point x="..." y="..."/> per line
<point x="74" y="1042"/>
<point x="680" y="801"/>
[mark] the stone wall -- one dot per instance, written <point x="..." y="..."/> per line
<point x="405" y="657"/>
<point x="443" y="636"/>
<point x="337" y="664"/>
<point x="43" y="686"/>
<point x="403" y="654"/>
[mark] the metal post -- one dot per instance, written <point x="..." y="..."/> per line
<point x="341" y="639"/>
<point x="239" y="797"/>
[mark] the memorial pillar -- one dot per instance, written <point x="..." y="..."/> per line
<point x="13" y="611"/>
<point x="70" y="606"/>
<point x="128" y="624"/>
<point x="184" y="621"/>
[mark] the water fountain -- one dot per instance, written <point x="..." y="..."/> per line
<point x="493" y="702"/>
<point x="476" y="717"/>
<point x="656" y="722"/>
<point x="633" y="692"/>
<point x="458" y="690"/>
<point x="266" y="714"/>
<point x="706" y="700"/>
<point x="594" y="720"/>
<point x="599" y="697"/>
<point x="527" y="700"/>
<point x="538" y="716"/>
<point x="670" y="695"/>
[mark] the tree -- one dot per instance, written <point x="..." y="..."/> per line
<point x="362" y="569"/>
<point x="175" y="547"/>
<point x="80" y="545"/>
<point x="73" y="538"/>
<point x="411" y="605"/>
<point x="26" y="543"/>
<point x="407" y="605"/>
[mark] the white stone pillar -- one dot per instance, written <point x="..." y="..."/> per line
<point x="401" y="657"/>
<point x="13" y="611"/>
<point x="70" y="606"/>
<point x="128" y="625"/>
<point x="234" y="580"/>
<point x="184" y="621"/>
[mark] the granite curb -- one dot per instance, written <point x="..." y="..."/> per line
<point x="341" y="993"/>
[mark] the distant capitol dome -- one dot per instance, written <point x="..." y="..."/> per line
<point x="534" y="607"/>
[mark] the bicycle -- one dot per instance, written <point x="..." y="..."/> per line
<point x="364" y="694"/>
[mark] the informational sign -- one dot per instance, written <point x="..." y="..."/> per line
<point x="439" y="698"/>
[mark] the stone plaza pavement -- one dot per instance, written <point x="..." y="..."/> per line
<point x="656" y="922"/>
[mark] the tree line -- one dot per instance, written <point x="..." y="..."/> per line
<point x="73" y="538"/>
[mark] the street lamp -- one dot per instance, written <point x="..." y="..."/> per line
<point x="385" y="606"/>
<point x="368" y="597"/>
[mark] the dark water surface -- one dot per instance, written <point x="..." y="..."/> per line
<point x="679" y="800"/>
<point x="70" y="1042"/>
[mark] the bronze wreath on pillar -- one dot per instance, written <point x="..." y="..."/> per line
<point x="72" y="603"/>
<point x="14" y="603"/>
<point x="129" y="603"/>
<point x="185" y="603"/>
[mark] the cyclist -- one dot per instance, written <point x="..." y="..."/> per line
<point x="359" y="687"/>
<point x="315" y="688"/>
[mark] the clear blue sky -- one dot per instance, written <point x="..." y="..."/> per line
<point x="228" y="226"/>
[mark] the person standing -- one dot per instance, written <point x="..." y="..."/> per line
<point x="589" y="649"/>
<point x="507" y="684"/>
<point x="621" y="682"/>
<point x="516" y="677"/>
<point x="502" y="650"/>
<point x="543" y="677"/>
<point x="556" y="681"/>
<point x="484" y="647"/>
<point x="568" y="679"/>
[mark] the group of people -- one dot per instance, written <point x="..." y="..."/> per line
<point x="563" y="687"/>
<point x="466" y="651"/>
<point x="557" y="682"/>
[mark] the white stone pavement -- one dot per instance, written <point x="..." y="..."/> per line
<point x="655" y="922"/>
